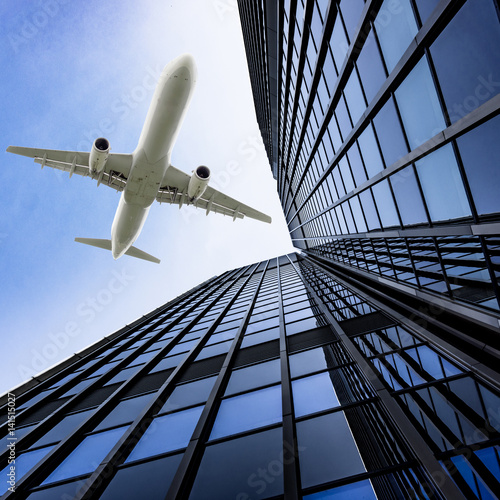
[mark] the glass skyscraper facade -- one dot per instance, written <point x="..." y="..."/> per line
<point x="276" y="380"/>
<point x="367" y="365"/>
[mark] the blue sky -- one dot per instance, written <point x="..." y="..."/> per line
<point x="75" y="70"/>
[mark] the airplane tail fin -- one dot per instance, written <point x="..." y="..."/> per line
<point x="106" y="245"/>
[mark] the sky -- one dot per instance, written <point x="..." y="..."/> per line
<point x="74" y="71"/>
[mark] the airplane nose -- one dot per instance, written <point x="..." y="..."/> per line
<point x="183" y="67"/>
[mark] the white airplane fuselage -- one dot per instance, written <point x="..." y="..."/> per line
<point x="151" y="158"/>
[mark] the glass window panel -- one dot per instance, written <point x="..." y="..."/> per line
<point x="346" y="175"/>
<point x="473" y="480"/>
<point x="302" y="326"/>
<point x="338" y="43"/>
<point x="442" y="185"/>
<point x="370" y="152"/>
<point x="319" y="442"/>
<point x="183" y="347"/>
<point x="189" y="394"/>
<point x="248" y="411"/>
<point x="254" y="376"/>
<point x="167" y="433"/>
<point x="155" y="479"/>
<point x="480" y="151"/>
<point x="354" y="97"/>
<point x="78" y="387"/>
<point x="419" y="105"/>
<point x="361" y="490"/>
<point x="123" y="375"/>
<point x="369" y="209"/>
<point x="170" y="362"/>
<point x="390" y="135"/>
<point x="396" y="28"/>
<point x="24" y="463"/>
<point x="312" y="394"/>
<point x="432" y="363"/>
<point x="214" y="350"/>
<point x="351" y="12"/>
<point x="357" y="168"/>
<point x="262" y="451"/>
<point x="66" y="426"/>
<point x="125" y="411"/>
<point x="259" y="337"/>
<point x="425" y="8"/>
<point x="358" y="214"/>
<point x="87" y="455"/>
<point x="408" y="198"/>
<point x="385" y="204"/>
<point x="343" y="118"/>
<point x="468" y="69"/>
<point x="370" y="67"/>
<point x="312" y="360"/>
<point x="62" y="491"/>
<point x="489" y="456"/>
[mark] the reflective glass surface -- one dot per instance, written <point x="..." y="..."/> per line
<point x="312" y="394"/>
<point x="442" y="185"/>
<point x="468" y="69"/>
<point x="189" y="394"/>
<point x="167" y="433"/>
<point x="480" y="153"/>
<point x="419" y="105"/>
<point x="87" y="455"/>
<point x="218" y="474"/>
<point x="370" y="67"/>
<point x="254" y="376"/>
<point x="326" y="450"/>
<point x="150" y="480"/>
<point x="385" y="204"/>
<point x="361" y="490"/>
<point x="408" y="198"/>
<point x="248" y="411"/>
<point x="396" y="28"/>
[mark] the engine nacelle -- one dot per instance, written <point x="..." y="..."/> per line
<point x="98" y="154"/>
<point x="198" y="182"/>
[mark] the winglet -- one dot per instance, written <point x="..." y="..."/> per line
<point x="106" y="245"/>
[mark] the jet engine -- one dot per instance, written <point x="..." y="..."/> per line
<point x="198" y="182"/>
<point x="98" y="154"/>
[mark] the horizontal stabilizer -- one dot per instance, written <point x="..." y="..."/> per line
<point x="106" y="245"/>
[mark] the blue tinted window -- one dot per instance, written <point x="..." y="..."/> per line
<point x="189" y="394"/>
<point x="214" y="350"/>
<point x="310" y="361"/>
<point x="370" y="152"/>
<point x="425" y="8"/>
<point x="467" y="67"/>
<point x="370" y="67"/>
<point x="442" y="185"/>
<point x="419" y="105"/>
<point x="302" y="326"/>
<point x="343" y="118"/>
<point x="24" y="463"/>
<point x="489" y="456"/>
<point x="170" y="362"/>
<point x="338" y="43"/>
<point x="65" y="427"/>
<point x="362" y="490"/>
<point x="259" y="337"/>
<point x="327" y="450"/>
<point x="87" y="455"/>
<point x="389" y="133"/>
<point x="480" y="151"/>
<point x="125" y="411"/>
<point x="396" y="28"/>
<point x="351" y="12"/>
<point x="407" y="194"/>
<point x="354" y="97"/>
<point x="254" y="376"/>
<point x="155" y="480"/>
<point x="356" y="165"/>
<point x="248" y="411"/>
<point x="346" y="174"/>
<point x="312" y="394"/>
<point x="167" y="433"/>
<point x="231" y="469"/>
<point x="369" y="209"/>
<point x="385" y="204"/>
<point x="358" y="214"/>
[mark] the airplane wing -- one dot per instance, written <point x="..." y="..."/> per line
<point x="114" y="174"/>
<point x="174" y="191"/>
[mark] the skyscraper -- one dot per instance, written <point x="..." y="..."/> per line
<point x="367" y="365"/>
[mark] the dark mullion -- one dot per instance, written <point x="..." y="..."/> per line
<point x="59" y="453"/>
<point x="184" y="477"/>
<point x="291" y="472"/>
<point x="396" y="414"/>
<point x="425" y="36"/>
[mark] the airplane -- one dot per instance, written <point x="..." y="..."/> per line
<point x="146" y="174"/>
